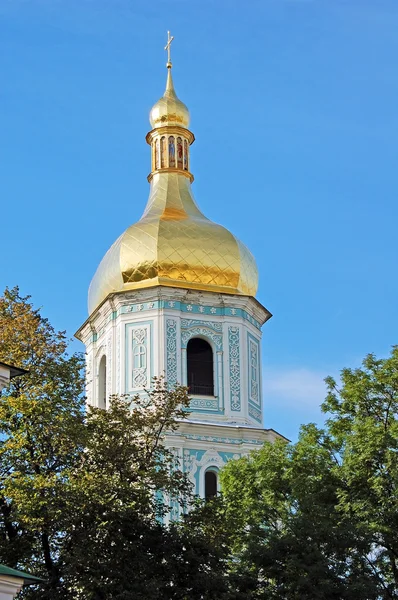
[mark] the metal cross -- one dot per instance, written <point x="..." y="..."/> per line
<point x="167" y="46"/>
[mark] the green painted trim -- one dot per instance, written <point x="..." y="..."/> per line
<point x="190" y="309"/>
<point x="254" y="408"/>
<point x="19" y="574"/>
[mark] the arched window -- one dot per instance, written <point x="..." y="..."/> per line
<point x="102" y="383"/>
<point x="179" y="153"/>
<point x="172" y="152"/>
<point x="156" y="163"/>
<point x="200" y="367"/>
<point x="162" y="152"/>
<point x="185" y="155"/>
<point x="210" y="484"/>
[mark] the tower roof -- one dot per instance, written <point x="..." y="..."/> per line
<point x="169" y="110"/>
<point x="173" y="244"/>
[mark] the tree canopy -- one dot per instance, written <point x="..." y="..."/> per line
<point x="84" y="493"/>
<point x="318" y="519"/>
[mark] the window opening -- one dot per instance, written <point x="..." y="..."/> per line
<point x="102" y="383"/>
<point x="185" y="155"/>
<point x="179" y="153"/>
<point x="172" y="152"/>
<point x="162" y="151"/>
<point x="200" y="367"/>
<point x="156" y="166"/>
<point x="210" y="485"/>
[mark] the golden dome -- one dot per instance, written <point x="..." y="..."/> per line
<point x="169" y="110"/>
<point x="173" y="244"/>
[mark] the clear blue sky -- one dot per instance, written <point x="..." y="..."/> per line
<point x="294" y="108"/>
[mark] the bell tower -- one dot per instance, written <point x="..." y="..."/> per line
<point x="175" y="295"/>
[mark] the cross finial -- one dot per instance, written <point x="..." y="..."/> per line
<point x="170" y="38"/>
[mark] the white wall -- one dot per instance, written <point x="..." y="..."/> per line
<point x="9" y="587"/>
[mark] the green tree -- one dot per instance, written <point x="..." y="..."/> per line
<point x="364" y="428"/>
<point x="41" y="433"/>
<point x="318" y="519"/>
<point x="128" y="482"/>
<point x="83" y="496"/>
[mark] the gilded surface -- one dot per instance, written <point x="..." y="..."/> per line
<point x="170" y="129"/>
<point x="169" y="110"/>
<point x="169" y="118"/>
<point x="173" y="243"/>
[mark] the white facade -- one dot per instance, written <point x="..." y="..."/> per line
<point x="134" y="336"/>
<point x="10" y="586"/>
<point x="8" y="372"/>
<point x="5" y="375"/>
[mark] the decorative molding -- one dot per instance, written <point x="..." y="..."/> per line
<point x="204" y="403"/>
<point x="211" y="458"/>
<point x="193" y="465"/>
<point x="217" y="439"/>
<point x="210" y="329"/>
<point x="254" y="392"/>
<point x="188" y="460"/>
<point x="188" y="323"/>
<point x="193" y="309"/>
<point x="108" y="369"/>
<point x="255" y="413"/>
<point x="98" y="353"/>
<point x="234" y="366"/>
<point x="140" y="358"/>
<point x="118" y="359"/>
<point x="171" y="352"/>
<point x="254" y="379"/>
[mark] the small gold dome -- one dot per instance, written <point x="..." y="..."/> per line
<point x="169" y="110"/>
<point x="174" y="244"/>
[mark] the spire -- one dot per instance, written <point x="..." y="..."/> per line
<point x="169" y="110"/>
<point x="170" y="91"/>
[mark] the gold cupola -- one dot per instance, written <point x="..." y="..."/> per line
<point x="169" y="110"/>
<point x="173" y="244"/>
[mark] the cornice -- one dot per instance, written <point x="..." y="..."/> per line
<point x="191" y="302"/>
<point x="175" y="170"/>
<point x="228" y="433"/>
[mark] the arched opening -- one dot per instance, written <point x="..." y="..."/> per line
<point x="179" y="153"/>
<point x="102" y="383"/>
<point x="185" y="155"/>
<point x="200" y="367"/>
<point x="162" y="152"/>
<point x="210" y="484"/>
<point x="172" y="152"/>
<point x="156" y="156"/>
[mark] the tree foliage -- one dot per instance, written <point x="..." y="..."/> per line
<point x="318" y="519"/>
<point x="83" y="496"/>
<point x="41" y="427"/>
